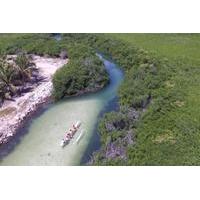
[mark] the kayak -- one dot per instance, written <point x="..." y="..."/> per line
<point x="70" y="134"/>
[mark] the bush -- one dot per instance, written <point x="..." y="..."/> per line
<point x="79" y="76"/>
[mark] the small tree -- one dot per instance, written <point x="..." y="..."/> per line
<point x="24" y="67"/>
<point x="7" y="74"/>
<point x="2" y="92"/>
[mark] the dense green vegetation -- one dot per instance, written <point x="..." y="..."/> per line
<point x="16" y="73"/>
<point x="41" y="44"/>
<point x="161" y="78"/>
<point x="84" y="73"/>
<point x="168" y="133"/>
<point x="171" y="135"/>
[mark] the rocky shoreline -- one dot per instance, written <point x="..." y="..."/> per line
<point x="14" y="113"/>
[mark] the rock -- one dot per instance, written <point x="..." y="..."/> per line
<point x="129" y="138"/>
<point x="7" y="95"/>
<point x="146" y="101"/>
<point x="132" y="114"/>
<point x="119" y="124"/>
<point x="109" y="127"/>
<point x="114" y="150"/>
<point x="63" y="54"/>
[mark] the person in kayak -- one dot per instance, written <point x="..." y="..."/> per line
<point x="71" y="133"/>
<point x="74" y="127"/>
<point x="67" y="136"/>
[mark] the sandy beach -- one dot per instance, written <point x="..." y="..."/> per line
<point x="13" y="113"/>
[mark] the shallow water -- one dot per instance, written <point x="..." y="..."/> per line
<point x="41" y="143"/>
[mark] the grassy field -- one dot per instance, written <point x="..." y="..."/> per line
<point x="172" y="46"/>
<point x="170" y="135"/>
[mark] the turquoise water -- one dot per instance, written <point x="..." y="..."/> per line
<point x="40" y="145"/>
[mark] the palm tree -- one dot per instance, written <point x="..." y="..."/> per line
<point x="2" y="92"/>
<point x="7" y="75"/>
<point x="24" y="67"/>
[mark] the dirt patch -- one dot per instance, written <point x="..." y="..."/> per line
<point x="165" y="137"/>
<point x="169" y="84"/>
<point x="7" y="111"/>
<point x="179" y="103"/>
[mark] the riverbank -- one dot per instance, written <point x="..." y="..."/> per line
<point x="14" y="113"/>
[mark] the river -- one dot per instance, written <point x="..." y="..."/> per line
<point x="39" y="142"/>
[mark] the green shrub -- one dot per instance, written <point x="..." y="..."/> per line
<point x="79" y="76"/>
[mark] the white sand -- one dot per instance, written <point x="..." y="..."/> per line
<point x="18" y="110"/>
